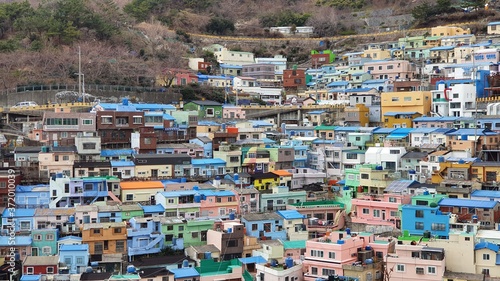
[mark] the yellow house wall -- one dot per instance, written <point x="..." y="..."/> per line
<point x="420" y="101"/>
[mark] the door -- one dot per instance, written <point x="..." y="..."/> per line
<point x="154" y="173"/>
<point x="34" y="252"/>
<point x="383" y="215"/>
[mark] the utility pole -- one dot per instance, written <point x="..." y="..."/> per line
<point x="79" y="72"/>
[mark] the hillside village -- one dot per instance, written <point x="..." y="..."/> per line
<point x="379" y="164"/>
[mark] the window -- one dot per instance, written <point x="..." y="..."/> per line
<point x="79" y="260"/>
<point x="407" y="98"/>
<point x="25" y="225"/>
<point x="420" y="270"/>
<point x="376" y="213"/>
<point x="117" y="230"/>
<point x="431" y="269"/>
<point x="419" y="213"/>
<point x="210" y="112"/>
<point x="129" y="197"/>
<point x="121" y="121"/>
<point x="328" y="272"/>
<point x="120" y="246"/>
<point x="394" y="214"/>
<point x="393" y="199"/>
<point x="314" y="270"/>
<point x="137" y="119"/>
<point x="486" y="257"/>
<point x="97" y="231"/>
<point x="47" y="250"/>
<point x="88" y="121"/>
<point x="232" y="243"/>
<point x="181" y="228"/>
<point x="65" y="158"/>
<point x="37" y="237"/>
<point x="331" y="255"/>
<point x="49" y="236"/>
<point x="98" y="248"/>
<point x="194" y="235"/>
<point x="438" y="226"/>
<point x="366" y="211"/>
<point x="316" y="253"/>
<point x="395" y="99"/>
<point x="88" y="145"/>
<point x="254" y="227"/>
<point x="365" y="176"/>
<point x="419" y="225"/>
<point x="170" y="227"/>
<point x="30" y="270"/>
<point x="400" y="268"/>
<point x="415" y="254"/>
<point x="351" y="156"/>
<point x="106" y="120"/>
<point x="394" y="151"/>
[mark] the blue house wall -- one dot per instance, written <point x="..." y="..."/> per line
<point x="32" y="196"/>
<point x="19" y="219"/>
<point x="418" y="219"/>
<point x="144" y="236"/>
<point x="276" y="223"/>
<point x="76" y="258"/>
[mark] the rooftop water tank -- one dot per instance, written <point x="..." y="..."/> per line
<point x="89" y="270"/>
<point x="379" y="168"/>
<point x="426" y="192"/>
<point x="229" y="230"/>
<point x="231" y="216"/>
<point x="368" y="261"/>
<point x="71" y="219"/>
<point x="368" y="248"/>
<point x="412" y="172"/>
<point x="274" y="263"/>
<point x="196" y="187"/>
<point x="208" y="255"/>
<point x="236" y="177"/>
<point x="340" y="242"/>
<point x="185" y="263"/>
<point x="94" y="263"/>
<point x="440" y="159"/>
<point x="197" y="198"/>
<point x="125" y="101"/>
<point x="461" y="161"/>
<point x="348" y="231"/>
<point x="131" y="269"/>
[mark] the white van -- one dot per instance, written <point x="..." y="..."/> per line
<point x="25" y="104"/>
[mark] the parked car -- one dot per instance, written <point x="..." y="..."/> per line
<point x="25" y="104"/>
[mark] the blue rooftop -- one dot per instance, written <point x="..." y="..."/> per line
<point x="399" y="113"/>
<point x="80" y="247"/>
<point x="383" y="130"/>
<point x="18" y="213"/>
<point x="122" y="163"/>
<point x="338" y="83"/>
<point x="117" y="152"/>
<point x="316" y="112"/>
<point x="290" y="214"/>
<point x="486" y="193"/>
<point x="260" y="123"/>
<point x="486" y="245"/>
<point x="375" y="81"/>
<point x="423" y="130"/>
<point x="467" y="203"/>
<point x="256" y="259"/>
<point x="20" y="241"/>
<point x="70" y="237"/>
<point x="442" y="48"/>
<point x="186" y="272"/>
<point x="31" y="277"/>
<point x="153" y="209"/>
<point x="472" y="132"/>
<point x="347" y="129"/>
<point x="207" y="161"/>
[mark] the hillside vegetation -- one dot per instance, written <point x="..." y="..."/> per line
<point x="129" y="42"/>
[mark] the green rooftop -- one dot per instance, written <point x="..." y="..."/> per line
<point x="299" y="244"/>
<point x="210" y="267"/>
<point x="407" y="237"/>
<point x="324" y="127"/>
<point x="124" y="277"/>
<point x="324" y="203"/>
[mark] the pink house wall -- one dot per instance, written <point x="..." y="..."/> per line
<point x="384" y="207"/>
<point x="211" y="207"/>
<point x="238" y="112"/>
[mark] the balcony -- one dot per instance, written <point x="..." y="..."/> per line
<point x="361" y="267"/>
<point x="439" y="100"/>
<point x="142" y="232"/>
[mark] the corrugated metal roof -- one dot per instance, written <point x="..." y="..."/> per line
<point x="467" y="203"/>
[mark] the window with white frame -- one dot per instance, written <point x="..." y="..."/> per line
<point x="366" y="211"/>
<point x="47" y="250"/>
<point x="314" y="271"/>
<point x="30" y="270"/>
<point x="316" y="253"/>
<point x="400" y="268"/>
<point x="25" y="225"/>
<point x="376" y="213"/>
<point x="331" y="255"/>
<point x="50" y="270"/>
<point x="431" y="269"/>
<point x="129" y="197"/>
<point x="419" y="270"/>
<point x="486" y="257"/>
